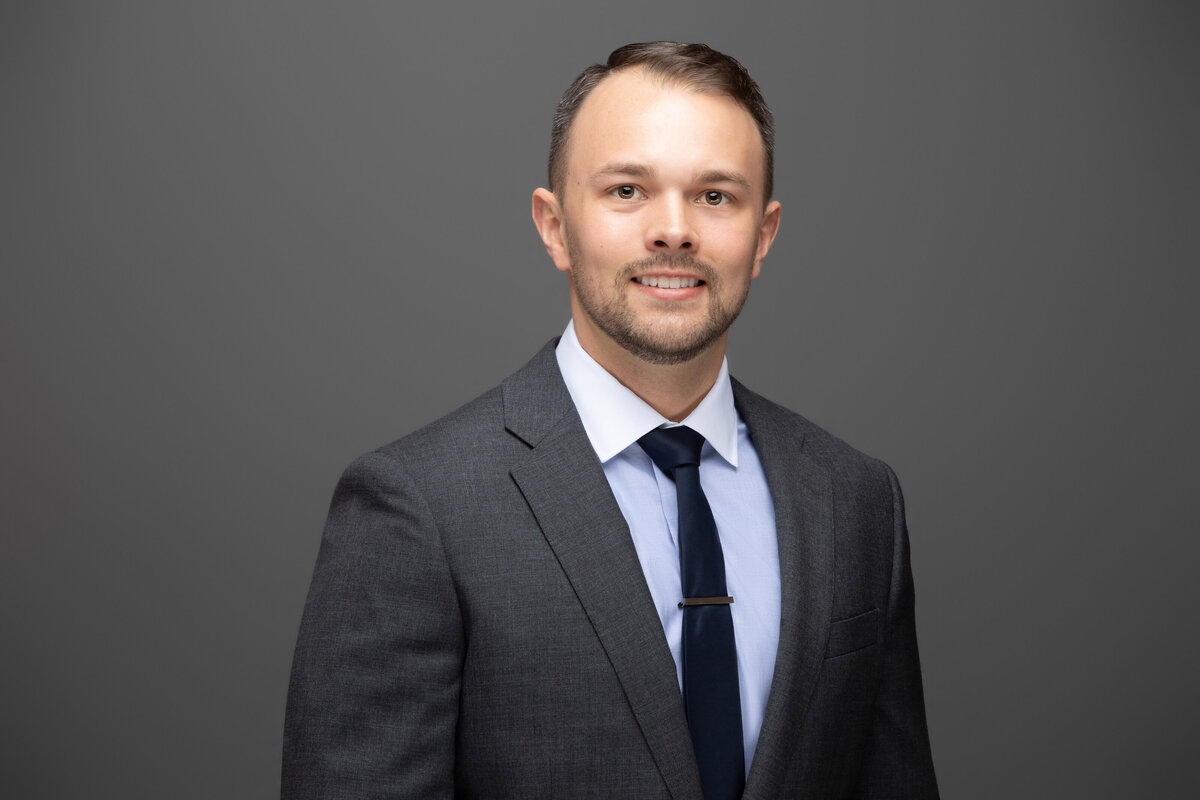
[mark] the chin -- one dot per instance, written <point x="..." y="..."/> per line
<point x="660" y="349"/>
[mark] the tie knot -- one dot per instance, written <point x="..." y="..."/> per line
<point x="672" y="447"/>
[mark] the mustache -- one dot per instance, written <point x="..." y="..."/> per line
<point x="686" y="261"/>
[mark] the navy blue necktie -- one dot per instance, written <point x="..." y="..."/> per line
<point x="710" y="677"/>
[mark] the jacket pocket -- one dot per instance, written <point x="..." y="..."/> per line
<point x="854" y="633"/>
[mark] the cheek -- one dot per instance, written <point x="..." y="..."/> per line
<point x="608" y="236"/>
<point x="734" y="243"/>
<point x="613" y="230"/>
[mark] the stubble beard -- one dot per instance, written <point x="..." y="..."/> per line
<point x="660" y="344"/>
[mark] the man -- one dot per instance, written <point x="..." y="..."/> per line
<point x="557" y="590"/>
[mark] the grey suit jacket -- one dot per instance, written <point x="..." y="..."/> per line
<point x="478" y="624"/>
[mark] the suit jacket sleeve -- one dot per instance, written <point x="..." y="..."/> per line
<point x="373" y="702"/>
<point x="898" y="760"/>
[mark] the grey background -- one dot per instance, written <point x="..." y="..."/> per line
<point x="244" y="242"/>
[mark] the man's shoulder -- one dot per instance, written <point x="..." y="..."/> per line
<point x="468" y="423"/>
<point x="499" y="420"/>
<point x="765" y="417"/>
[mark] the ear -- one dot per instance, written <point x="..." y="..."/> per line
<point x="766" y="234"/>
<point x="548" y="217"/>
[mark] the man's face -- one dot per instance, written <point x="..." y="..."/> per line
<point x="660" y="222"/>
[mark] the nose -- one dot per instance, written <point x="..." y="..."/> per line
<point x="669" y="225"/>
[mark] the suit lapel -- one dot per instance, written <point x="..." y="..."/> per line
<point x="802" y="494"/>
<point x="564" y="484"/>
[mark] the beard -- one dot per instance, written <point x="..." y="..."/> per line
<point x="668" y="338"/>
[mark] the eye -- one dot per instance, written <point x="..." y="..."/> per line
<point x="626" y="192"/>
<point x="715" y="198"/>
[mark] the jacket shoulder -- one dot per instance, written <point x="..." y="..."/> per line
<point x="454" y="437"/>
<point x="818" y="444"/>
<point x="486" y="432"/>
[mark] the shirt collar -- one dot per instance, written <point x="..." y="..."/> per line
<point x="614" y="417"/>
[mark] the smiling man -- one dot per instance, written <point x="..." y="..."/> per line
<point x="621" y="573"/>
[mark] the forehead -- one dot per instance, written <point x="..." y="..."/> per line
<point x="633" y="117"/>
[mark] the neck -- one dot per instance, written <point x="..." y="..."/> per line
<point x="673" y="390"/>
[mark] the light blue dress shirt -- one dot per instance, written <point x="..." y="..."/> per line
<point x="733" y="481"/>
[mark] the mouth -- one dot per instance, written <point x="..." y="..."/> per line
<point x="668" y="282"/>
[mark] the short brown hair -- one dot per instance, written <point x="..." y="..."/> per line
<point x="694" y="66"/>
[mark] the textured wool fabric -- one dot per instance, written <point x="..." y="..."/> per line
<point x="478" y="625"/>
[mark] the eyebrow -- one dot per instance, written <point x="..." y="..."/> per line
<point x="633" y="169"/>
<point x="717" y="176"/>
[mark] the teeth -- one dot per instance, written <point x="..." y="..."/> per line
<point x="669" y="283"/>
